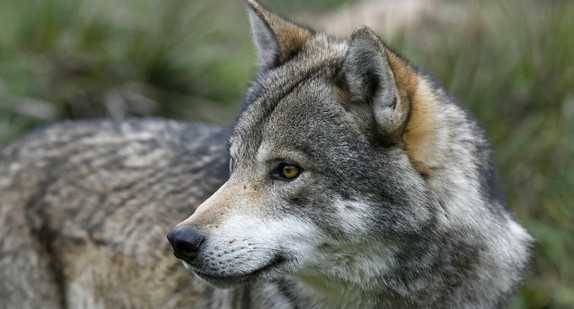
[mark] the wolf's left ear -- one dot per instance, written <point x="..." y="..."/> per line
<point x="371" y="87"/>
<point x="276" y="38"/>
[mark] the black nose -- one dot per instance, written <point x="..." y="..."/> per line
<point x="185" y="242"/>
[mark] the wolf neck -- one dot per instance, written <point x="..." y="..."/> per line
<point x="317" y="292"/>
<point x="351" y="280"/>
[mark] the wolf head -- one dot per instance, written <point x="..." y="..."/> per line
<point x="350" y="169"/>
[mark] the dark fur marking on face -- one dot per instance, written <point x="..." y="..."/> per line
<point x="283" y="286"/>
<point x="246" y="297"/>
<point x="299" y="201"/>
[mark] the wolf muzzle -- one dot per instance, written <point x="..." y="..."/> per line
<point x="186" y="243"/>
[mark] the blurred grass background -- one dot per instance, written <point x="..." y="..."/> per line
<point x="511" y="62"/>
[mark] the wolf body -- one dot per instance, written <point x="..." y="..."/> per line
<point x="355" y="181"/>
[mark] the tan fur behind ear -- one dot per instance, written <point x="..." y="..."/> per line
<point x="421" y="125"/>
<point x="290" y="36"/>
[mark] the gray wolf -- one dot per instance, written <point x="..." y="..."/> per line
<point x="350" y="179"/>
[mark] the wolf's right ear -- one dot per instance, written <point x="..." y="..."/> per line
<point x="276" y="39"/>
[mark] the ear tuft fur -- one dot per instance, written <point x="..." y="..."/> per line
<point x="371" y="85"/>
<point x="276" y="38"/>
<point x="389" y="99"/>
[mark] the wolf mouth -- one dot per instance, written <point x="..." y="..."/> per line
<point x="230" y="279"/>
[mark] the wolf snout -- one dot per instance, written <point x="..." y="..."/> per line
<point x="186" y="242"/>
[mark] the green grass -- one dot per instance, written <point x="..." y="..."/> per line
<point x="511" y="62"/>
<point x="85" y="59"/>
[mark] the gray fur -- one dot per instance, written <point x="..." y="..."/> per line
<point x="370" y="83"/>
<point x="85" y="206"/>
<point x="268" y="49"/>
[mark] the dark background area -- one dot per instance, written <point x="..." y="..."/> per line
<point x="510" y="62"/>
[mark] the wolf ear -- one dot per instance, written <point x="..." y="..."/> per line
<point x="276" y="39"/>
<point x="371" y="89"/>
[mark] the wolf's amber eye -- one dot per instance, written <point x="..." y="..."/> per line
<point x="289" y="171"/>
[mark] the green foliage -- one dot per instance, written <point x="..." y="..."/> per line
<point x="84" y="59"/>
<point x="510" y="62"/>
